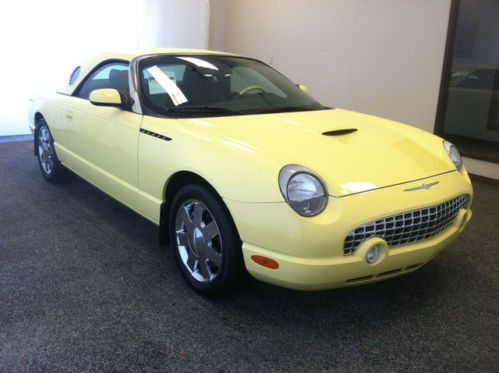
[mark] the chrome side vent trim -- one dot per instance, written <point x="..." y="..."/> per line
<point x="154" y="134"/>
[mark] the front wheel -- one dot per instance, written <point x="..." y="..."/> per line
<point x="204" y="239"/>
<point x="50" y="166"/>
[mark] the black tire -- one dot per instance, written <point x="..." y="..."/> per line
<point x="50" y="166"/>
<point x="200" y="244"/>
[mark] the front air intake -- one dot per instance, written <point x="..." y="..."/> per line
<point x="408" y="227"/>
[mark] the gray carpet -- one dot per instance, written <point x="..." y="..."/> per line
<point x="84" y="287"/>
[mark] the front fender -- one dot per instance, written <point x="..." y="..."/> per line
<point x="236" y="170"/>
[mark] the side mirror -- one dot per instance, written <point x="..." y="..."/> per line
<point x="105" y="97"/>
<point x="303" y="88"/>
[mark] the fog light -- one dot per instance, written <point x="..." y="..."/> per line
<point x="373" y="254"/>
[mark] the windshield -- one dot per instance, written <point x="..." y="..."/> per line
<point x="214" y="85"/>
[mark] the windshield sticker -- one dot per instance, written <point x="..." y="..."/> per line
<point x="167" y="84"/>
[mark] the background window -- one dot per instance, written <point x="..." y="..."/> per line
<point x="471" y="104"/>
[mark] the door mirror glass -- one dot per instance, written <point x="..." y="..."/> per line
<point x="105" y="97"/>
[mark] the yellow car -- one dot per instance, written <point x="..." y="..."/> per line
<point x="242" y="170"/>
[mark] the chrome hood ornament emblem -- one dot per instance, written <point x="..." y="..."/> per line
<point x="422" y="186"/>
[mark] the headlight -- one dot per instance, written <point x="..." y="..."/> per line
<point x="453" y="155"/>
<point x="303" y="190"/>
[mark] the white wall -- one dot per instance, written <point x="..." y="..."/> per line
<point x="174" y="23"/>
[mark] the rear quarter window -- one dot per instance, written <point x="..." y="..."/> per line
<point x="74" y="75"/>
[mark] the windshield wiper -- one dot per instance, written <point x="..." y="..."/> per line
<point x="284" y="109"/>
<point x="202" y="109"/>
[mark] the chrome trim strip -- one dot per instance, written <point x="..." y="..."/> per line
<point x="422" y="186"/>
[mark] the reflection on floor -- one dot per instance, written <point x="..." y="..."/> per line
<point x="16" y="138"/>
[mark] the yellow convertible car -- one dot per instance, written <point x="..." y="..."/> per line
<point x="243" y="171"/>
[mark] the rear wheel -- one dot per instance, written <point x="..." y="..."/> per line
<point x="50" y="166"/>
<point x="206" y="245"/>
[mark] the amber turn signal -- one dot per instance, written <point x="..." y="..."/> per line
<point x="265" y="262"/>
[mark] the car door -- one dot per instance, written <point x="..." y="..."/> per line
<point x="101" y="141"/>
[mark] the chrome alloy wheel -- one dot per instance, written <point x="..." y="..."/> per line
<point x="198" y="240"/>
<point x="46" y="151"/>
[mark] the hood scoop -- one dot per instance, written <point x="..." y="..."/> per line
<point x="341" y="132"/>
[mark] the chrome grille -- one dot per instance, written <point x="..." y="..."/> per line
<point x="408" y="227"/>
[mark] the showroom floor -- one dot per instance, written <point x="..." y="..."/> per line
<point x="84" y="286"/>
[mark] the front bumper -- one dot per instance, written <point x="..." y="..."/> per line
<point x="310" y="250"/>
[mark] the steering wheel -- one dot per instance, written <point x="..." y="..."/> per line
<point x="251" y="88"/>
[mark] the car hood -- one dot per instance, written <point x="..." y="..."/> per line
<point x="375" y="153"/>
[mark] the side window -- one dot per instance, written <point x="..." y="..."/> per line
<point x="74" y="75"/>
<point x="111" y="75"/>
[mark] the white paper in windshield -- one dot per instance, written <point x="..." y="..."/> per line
<point x="168" y="85"/>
